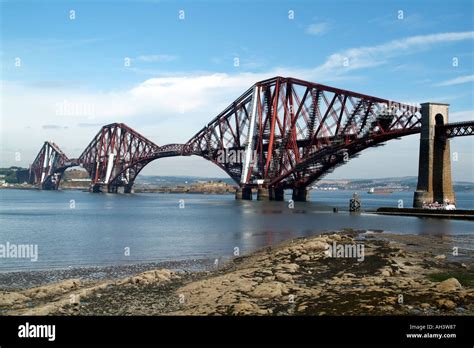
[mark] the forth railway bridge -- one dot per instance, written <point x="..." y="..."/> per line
<point x="290" y="133"/>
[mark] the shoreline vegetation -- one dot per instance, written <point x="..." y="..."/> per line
<point x="396" y="275"/>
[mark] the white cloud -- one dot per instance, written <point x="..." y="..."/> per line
<point x="317" y="28"/>
<point x="368" y="56"/>
<point x="157" y="58"/>
<point x="456" y="81"/>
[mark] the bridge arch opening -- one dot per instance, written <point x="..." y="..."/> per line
<point x="439" y="120"/>
<point x="182" y="166"/>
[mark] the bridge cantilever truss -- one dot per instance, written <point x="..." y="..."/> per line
<point x="115" y="157"/>
<point x="281" y="133"/>
<point x="49" y="165"/>
<point x="297" y="131"/>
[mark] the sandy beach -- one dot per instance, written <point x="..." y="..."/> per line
<point x="395" y="275"/>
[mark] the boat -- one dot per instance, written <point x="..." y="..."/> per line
<point x="380" y="191"/>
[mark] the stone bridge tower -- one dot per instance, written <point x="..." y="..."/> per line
<point x="434" y="173"/>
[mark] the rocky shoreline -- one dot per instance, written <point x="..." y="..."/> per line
<point x="395" y="275"/>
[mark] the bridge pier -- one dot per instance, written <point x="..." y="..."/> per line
<point x="112" y="189"/>
<point x="434" y="172"/>
<point x="243" y="193"/>
<point x="270" y="194"/>
<point x="263" y="194"/>
<point x="300" y="194"/>
<point x="277" y="194"/>
<point x="95" y="189"/>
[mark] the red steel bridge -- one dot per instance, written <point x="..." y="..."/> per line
<point x="282" y="133"/>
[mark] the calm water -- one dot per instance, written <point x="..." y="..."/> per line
<point x="100" y="226"/>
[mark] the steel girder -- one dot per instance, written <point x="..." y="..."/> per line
<point x="457" y="129"/>
<point x="49" y="165"/>
<point x="115" y="157"/>
<point x="224" y="136"/>
<point x="298" y="123"/>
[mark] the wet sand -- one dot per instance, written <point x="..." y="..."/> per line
<point x="399" y="274"/>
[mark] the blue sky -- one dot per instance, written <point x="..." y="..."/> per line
<point x="182" y="71"/>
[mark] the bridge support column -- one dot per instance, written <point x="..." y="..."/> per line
<point x="244" y="193"/>
<point x="95" y="188"/>
<point x="263" y="194"/>
<point x="434" y="173"/>
<point x="300" y="194"/>
<point x="277" y="194"/>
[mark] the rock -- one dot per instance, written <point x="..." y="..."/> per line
<point x="266" y="272"/>
<point x="245" y="307"/>
<point x="391" y="300"/>
<point x="53" y="289"/>
<point x="440" y="257"/>
<point x="446" y="304"/>
<point x="386" y="308"/>
<point x="315" y="245"/>
<point x="378" y="281"/>
<point x="8" y="299"/>
<point x="290" y="267"/>
<point x="425" y="305"/>
<point x="149" y="277"/>
<point x="367" y="281"/>
<point x="448" y="285"/>
<point x="368" y="307"/>
<point x="303" y="257"/>
<point x="284" y="277"/>
<point x="386" y="273"/>
<point x="269" y="290"/>
<point x="301" y="308"/>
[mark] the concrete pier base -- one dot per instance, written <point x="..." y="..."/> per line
<point x="300" y="194"/>
<point x="263" y="194"/>
<point x="277" y="194"/>
<point x="112" y="189"/>
<point x="95" y="189"/>
<point x="244" y="193"/>
<point x="434" y="172"/>
<point x="421" y="197"/>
